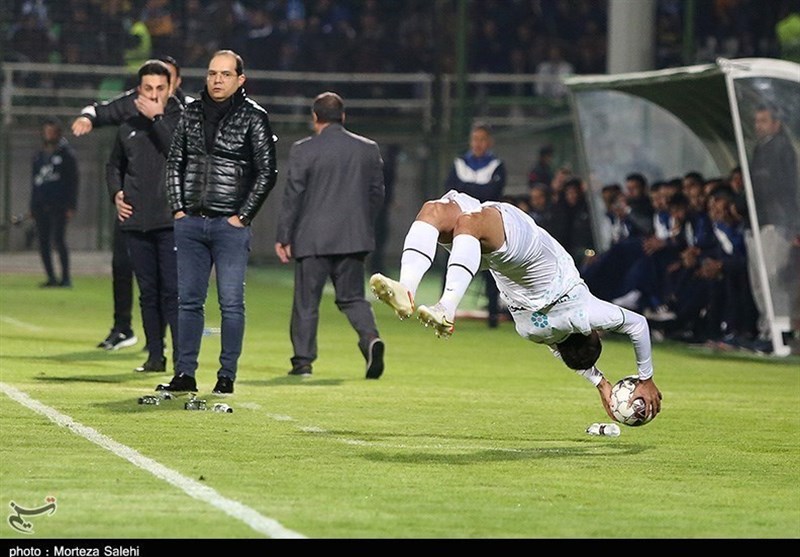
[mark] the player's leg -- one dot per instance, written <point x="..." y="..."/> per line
<point x="434" y="223"/>
<point x="473" y="234"/>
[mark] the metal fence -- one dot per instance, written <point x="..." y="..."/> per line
<point x="424" y="116"/>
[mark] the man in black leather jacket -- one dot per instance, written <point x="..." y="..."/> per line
<point x="220" y="169"/>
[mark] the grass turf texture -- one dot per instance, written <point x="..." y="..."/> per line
<point x="479" y="436"/>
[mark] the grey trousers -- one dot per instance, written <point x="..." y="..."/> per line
<point x="310" y="276"/>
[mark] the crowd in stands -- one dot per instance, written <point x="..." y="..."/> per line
<point x="677" y="252"/>
<point x="549" y="37"/>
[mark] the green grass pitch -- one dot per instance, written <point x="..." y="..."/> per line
<point x="479" y="436"/>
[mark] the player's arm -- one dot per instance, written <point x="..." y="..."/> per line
<point x="111" y="112"/>
<point x="635" y="326"/>
<point x="596" y="378"/>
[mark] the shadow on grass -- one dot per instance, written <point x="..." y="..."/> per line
<point x="426" y="448"/>
<point x="97" y="355"/>
<point x="132" y="406"/>
<point x="293" y="381"/>
<point x="465" y="457"/>
<point x="110" y="379"/>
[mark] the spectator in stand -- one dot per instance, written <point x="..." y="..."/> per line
<point x="713" y="298"/>
<point x="543" y="211"/>
<point x="550" y="73"/>
<point x="577" y="238"/>
<point x="736" y="182"/>
<point x="542" y="171"/>
<point x="639" y="202"/>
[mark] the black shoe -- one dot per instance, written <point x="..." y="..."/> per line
<point x="301" y="371"/>
<point x="375" y="358"/>
<point x="66" y="283"/>
<point x="49" y="284"/>
<point x="180" y="384"/>
<point x="224" y="386"/>
<point x="153" y="364"/>
<point x="117" y="339"/>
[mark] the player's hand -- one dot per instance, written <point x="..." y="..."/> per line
<point x="283" y="251"/>
<point x="81" y="126"/>
<point x="647" y="391"/>
<point x="604" y="387"/>
<point x="124" y="210"/>
<point x="148" y="107"/>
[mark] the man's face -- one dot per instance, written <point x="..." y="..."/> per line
<point x="50" y="134"/>
<point x="156" y="88"/>
<point x="765" y="124"/>
<point x="221" y="79"/>
<point x="480" y="142"/>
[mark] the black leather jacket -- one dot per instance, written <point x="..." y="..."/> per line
<point x="231" y="177"/>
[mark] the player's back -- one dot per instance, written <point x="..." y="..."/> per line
<point x="531" y="268"/>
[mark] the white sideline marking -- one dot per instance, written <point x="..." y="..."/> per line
<point x="20" y="324"/>
<point x="252" y="518"/>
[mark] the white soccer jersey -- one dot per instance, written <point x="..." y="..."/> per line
<point x="543" y="288"/>
<point x="531" y="268"/>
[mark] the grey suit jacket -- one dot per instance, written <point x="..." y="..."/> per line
<point x="334" y="191"/>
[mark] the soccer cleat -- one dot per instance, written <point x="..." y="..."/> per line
<point x="436" y="317"/>
<point x="224" y="386"/>
<point x="117" y="339"/>
<point x="180" y="383"/>
<point x="394" y="294"/>
<point x="375" y="358"/>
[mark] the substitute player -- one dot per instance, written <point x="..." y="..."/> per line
<point x="537" y="278"/>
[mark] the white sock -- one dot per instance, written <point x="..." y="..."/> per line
<point x="463" y="264"/>
<point x="419" y="249"/>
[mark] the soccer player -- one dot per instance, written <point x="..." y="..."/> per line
<point x="537" y="278"/>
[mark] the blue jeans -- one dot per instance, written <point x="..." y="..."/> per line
<point x="203" y="242"/>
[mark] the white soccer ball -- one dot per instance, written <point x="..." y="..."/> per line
<point x="627" y="411"/>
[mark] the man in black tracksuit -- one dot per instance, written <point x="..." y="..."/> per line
<point x="136" y="184"/>
<point x="112" y="113"/>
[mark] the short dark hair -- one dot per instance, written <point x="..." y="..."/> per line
<point x="172" y="62"/>
<point x="329" y="107"/>
<point x="239" y="61"/>
<point x="154" y="67"/>
<point x="546" y="150"/>
<point x="481" y="125"/>
<point x="678" y="199"/>
<point x="579" y="351"/>
<point x="724" y="191"/>
<point x="53" y="121"/>
<point x="637" y="177"/>
<point x="694" y="176"/>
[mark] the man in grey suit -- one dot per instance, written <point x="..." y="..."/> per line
<point x="333" y="192"/>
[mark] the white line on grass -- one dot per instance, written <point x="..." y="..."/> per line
<point x="20" y="324"/>
<point x="252" y="518"/>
